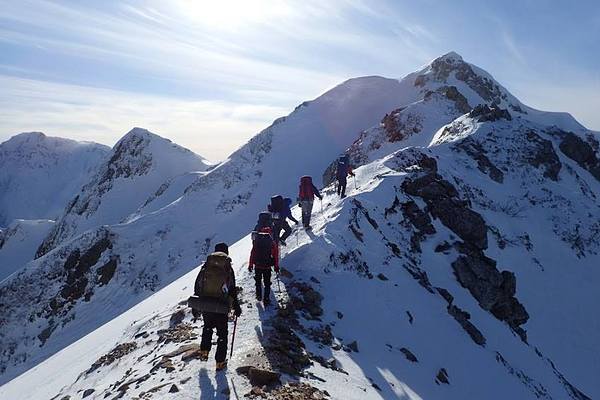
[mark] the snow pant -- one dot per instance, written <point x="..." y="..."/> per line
<point x="341" y="187"/>
<point x="212" y="321"/>
<point x="279" y="225"/>
<point x="306" y="206"/>
<point x="262" y="276"/>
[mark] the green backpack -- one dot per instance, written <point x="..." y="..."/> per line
<point x="215" y="277"/>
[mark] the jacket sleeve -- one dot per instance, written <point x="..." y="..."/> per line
<point x="316" y="191"/>
<point x="198" y="282"/>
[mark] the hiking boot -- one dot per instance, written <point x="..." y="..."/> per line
<point x="258" y="297"/>
<point x="308" y="228"/>
<point x="221" y="365"/>
<point x="266" y="301"/>
<point x="203" y="355"/>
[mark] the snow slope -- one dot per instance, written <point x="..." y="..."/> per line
<point x="18" y="243"/>
<point x="40" y="174"/>
<point x="463" y="228"/>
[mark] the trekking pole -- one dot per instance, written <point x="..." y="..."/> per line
<point x="321" y="202"/>
<point x="354" y="178"/>
<point x="280" y="299"/>
<point x="233" y="337"/>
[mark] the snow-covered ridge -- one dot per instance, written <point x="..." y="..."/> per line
<point x="496" y="195"/>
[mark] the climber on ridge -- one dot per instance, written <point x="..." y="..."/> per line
<point x="342" y="170"/>
<point x="215" y="294"/>
<point x="306" y="197"/>
<point x="263" y="256"/>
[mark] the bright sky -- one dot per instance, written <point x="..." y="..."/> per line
<point x="211" y="74"/>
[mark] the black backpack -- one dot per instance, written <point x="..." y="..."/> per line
<point x="262" y="246"/>
<point x="277" y="205"/>
<point x="265" y="220"/>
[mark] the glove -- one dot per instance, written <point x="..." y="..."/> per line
<point x="237" y="310"/>
<point x="297" y="222"/>
<point x="196" y="314"/>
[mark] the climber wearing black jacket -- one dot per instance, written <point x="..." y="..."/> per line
<point x="216" y="291"/>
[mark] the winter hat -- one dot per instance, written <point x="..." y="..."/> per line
<point x="222" y="247"/>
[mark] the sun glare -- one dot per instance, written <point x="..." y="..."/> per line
<point x="232" y="14"/>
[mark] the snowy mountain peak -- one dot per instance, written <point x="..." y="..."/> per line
<point x="25" y="137"/>
<point x="140" y="134"/>
<point x="39" y="173"/>
<point x="137" y="167"/>
<point x="26" y="145"/>
<point x="477" y="85"/>
<point x="450" y="57"/>
<point x="139" y="140"/>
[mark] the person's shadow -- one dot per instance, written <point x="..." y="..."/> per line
<point x="208" y="391"/>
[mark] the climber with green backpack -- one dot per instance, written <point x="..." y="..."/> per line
<point x="215" y="294"/>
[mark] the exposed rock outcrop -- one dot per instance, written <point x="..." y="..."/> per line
<point x="494" y="290"/>
<point x="581" y="152"/>
<point x="418" y="217"/>
<point x="485" y="113"/>
<point x="452" y="93"/>
<point x="113" y="355"/>
<point x="443" y="203"/>
<point x="476" y="151"/>
<point x="542" y="154"/>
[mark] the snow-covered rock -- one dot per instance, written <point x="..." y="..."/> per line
<point x="40" y="174"/>
<point x="462" y="265"/>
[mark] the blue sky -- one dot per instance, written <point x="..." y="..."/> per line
<point x="209" y="75"/>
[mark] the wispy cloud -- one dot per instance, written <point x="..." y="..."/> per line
<point x="211" y="128"/>
<point x="197" y="71"/>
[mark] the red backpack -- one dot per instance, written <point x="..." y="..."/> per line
<point x="306" y="188"/>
